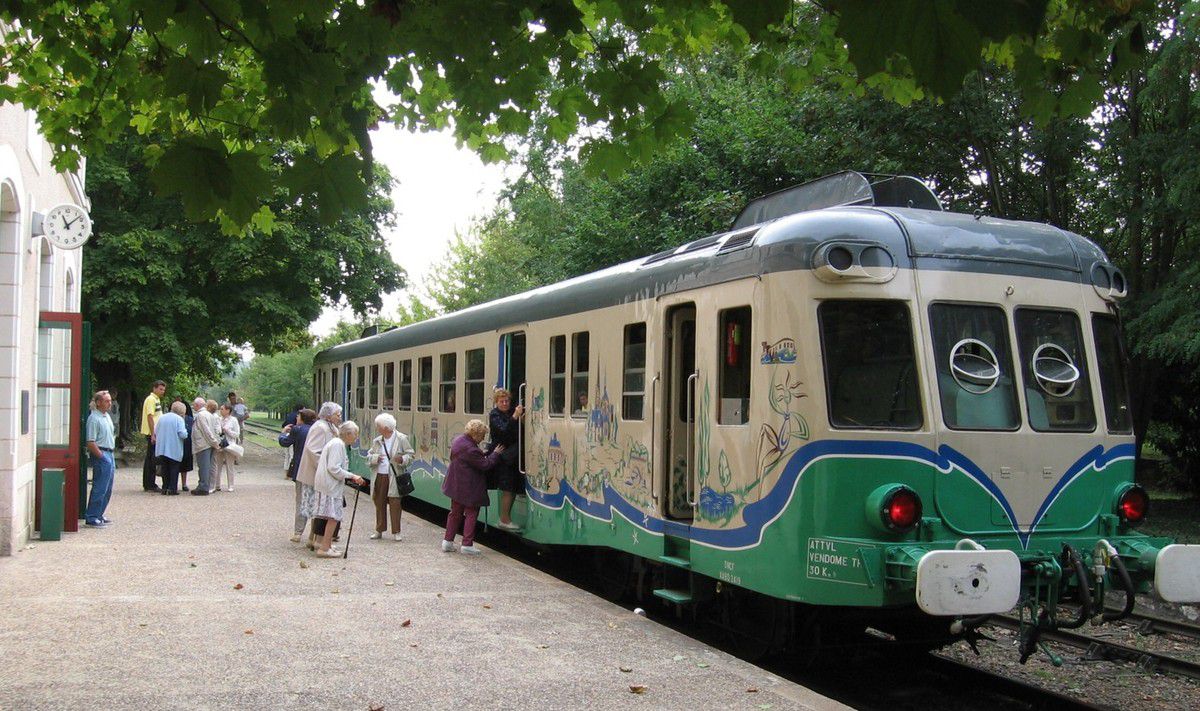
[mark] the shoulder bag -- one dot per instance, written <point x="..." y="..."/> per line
<point x="404" y="482"/>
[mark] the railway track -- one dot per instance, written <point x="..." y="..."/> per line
<point x="1099" y="649"/>
<point x="1148" y="624"/>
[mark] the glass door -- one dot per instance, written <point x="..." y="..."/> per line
<point x="59" y="406"/>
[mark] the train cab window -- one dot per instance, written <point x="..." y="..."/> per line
<point x="360" y="387"/>
<point x="1058" y="394"/>
<point x="425" y="384"/>
<point x="870" y="366"/>
<point x="633" y="384"/>
<point x="389" y="386"/>
<point x="734" y="352"/>
<point x="474" y="382"/>
<point x="558" y="374"/>
<point x="448" y="400"/>
<point x="373" y="388"/>
<point x="1110" y="364"/>
<point x="579" y="374"/>
<point x="406" y="385"/>
<point x="975" y="374"/>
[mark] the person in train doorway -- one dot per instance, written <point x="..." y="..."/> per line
<point x="151" y="412"/>
<point x="100" y="444"/>
<point x="466" y="484"/>
<point x="505" y="427"/>
<point x="170" y="434"/>
<point x="324" y="430"/>
<point x="390" y="451"/>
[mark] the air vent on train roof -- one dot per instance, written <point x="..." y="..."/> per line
<point x="660" y="256"/>
<point x="737" y="240"/>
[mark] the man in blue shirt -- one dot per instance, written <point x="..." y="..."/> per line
<point x="100" y="445"/>
<point x="169" y="435"/>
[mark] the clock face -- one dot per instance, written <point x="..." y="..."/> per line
<point x="67" y="226"/>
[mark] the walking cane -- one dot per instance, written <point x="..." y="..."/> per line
<point x="350" y="533"/>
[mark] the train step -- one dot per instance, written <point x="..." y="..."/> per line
<point x="679" y="597"/>
<point x="676" y="561"/>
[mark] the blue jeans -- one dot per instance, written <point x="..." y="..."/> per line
<point x="204" y="465"/>
<point x="103" y="469"/>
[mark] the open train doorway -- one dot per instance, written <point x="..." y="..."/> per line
<point x="513" y="379"/>
<point x="679" y="419"/>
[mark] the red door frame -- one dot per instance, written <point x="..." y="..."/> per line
<point x="60" y="456"/>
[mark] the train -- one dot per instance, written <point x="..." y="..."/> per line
<point x="851" y="408"/>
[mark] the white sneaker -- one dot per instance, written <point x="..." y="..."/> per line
<point x="376" y="535"/>
<point x="295" y="538"/>
<point x="470" y="550"/>
<point x="230" y="490"/>
<point x="397" y="537"/>
<point x="447" y="546"/>
<point x="509" y="526"/>
<point x="331" y="553"/>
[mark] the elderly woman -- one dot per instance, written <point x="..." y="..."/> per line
<point x="466" y="486"/>
<point x="226" y="457"/>
<point x="505" y="426"/>
<point x="333" y="469"/>
<point x="390" y="449"/>
<point x="319" y="435"/>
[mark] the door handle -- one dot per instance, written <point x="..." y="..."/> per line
<point x="691" y="437"/>
<point x="520" y="430"/>
<point x="653" y="436"/>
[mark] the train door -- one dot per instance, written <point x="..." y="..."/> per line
<point x="679" y="418"/>
<point x="344" y="396"/>
<point x="512" y="359"/>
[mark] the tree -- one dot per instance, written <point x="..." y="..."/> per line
<point x="227" y="84"/>
<point x="274" y="383"/>
<point x="167" y="296"/>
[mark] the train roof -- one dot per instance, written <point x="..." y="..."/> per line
<point x="917" y="239"/>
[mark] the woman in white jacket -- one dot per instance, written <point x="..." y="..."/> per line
<point x="389" y="449"/>
<point x="226" y="457"/>
<point x="333" y="469"/>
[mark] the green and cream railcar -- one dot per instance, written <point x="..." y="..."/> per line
<point x="864" y="406"/>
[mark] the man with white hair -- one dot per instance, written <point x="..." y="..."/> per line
<point x="204" y="442"/>
<point x="169" y="435"/>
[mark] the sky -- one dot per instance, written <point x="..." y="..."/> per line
<point x="439" y="189"/>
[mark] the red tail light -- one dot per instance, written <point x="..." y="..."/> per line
<point x="1133" y="505"/>
<point x="901" y="509"/>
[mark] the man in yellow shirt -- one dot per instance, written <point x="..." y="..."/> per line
<point x="151" y="411"/>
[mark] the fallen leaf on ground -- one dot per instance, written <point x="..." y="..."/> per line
<point x="239" y="586"/>
<point x="412" y="644"/>
<point x="702" y="665"/>
<point x="375" y="707"/>
<point x="237" y="535"/>
<point x="336" y="591"/>
<point x="192" y="565"/>
<point x="677" y="658"/>
<point x="406" y="623"/>
<point x="764" y="707"/>
<point x="752" y="690"/>
<point x="637" y="688"/>
<point x="249" y="631"/>
<point x="142" y="624"/>
<point x="626" y="669"/>
<point x="487" y="607"/>
<point x="389" y="583"/>
<point x="543" y="646"/>
<point x="303" y="564"/>
<point x="439" y="594"/>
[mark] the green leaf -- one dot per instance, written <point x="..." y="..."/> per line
<point x="201" y="84"/>
<point x="196" y="168"/>
<point x="756" y="15"/>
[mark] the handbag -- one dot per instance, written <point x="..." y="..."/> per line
<point x="404" y="482"/>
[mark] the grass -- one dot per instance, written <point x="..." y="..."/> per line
<point x="1174" y="517"/>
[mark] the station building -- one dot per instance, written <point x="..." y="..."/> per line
<point x="39" y="283"/>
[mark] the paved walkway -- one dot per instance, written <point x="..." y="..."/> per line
<point x="190" y="602"/>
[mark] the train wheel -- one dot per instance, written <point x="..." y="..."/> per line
<point x="613" y="573"/>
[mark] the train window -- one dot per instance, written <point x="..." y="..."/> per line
<point x="425" y="384"/>
<point x="1110" y="363"/>
<point x="373" y="388"/>
<point x="558" y="374"/>
<point x="406" y="385"/>
<point x="634" y="383"/>
<point x="870" y="367"/>
<point x="333" y="385"/>
<point x="474" y="382"/>
<point x="389" y="386"/>
<point x="1058" y="395"/>
<point x="735" y="366"/>
<point x="448" y="401"/>
<point x="579" y="374"/>
<point x="976" y="380"/>
<point x="360" y="389"/>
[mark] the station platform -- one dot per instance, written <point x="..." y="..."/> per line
<point x="203" y="602"/>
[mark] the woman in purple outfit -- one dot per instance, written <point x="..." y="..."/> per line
<point x="466" y="486"/>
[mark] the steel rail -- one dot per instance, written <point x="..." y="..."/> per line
<point x="1101" y="649"/>
<point x="1147" y="623"/>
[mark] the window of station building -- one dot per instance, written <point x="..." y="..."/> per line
<point x="976" y="381"/>
<point x="870" y="366"/>
<point x="579" y="374"/>
<point x="1111" y="363"/>
<point x="1058" y="393"/>
<point x="633" y="384"/>
<point x="360" y="389"/>
<point x="474" y="381"/>
<point x="558" y="374"/>
<point x="425" y="384"/>
<point x="373" y="388"/>
<point x="406" y="385"/>
<point x="389" y="386"/>
<point x="448" y="400"/>
<point x="734" y="405"/>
